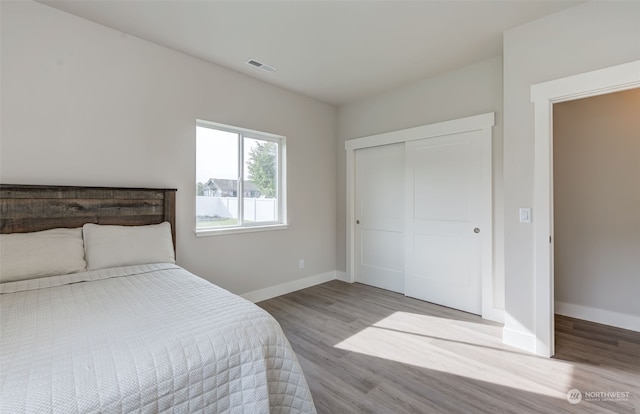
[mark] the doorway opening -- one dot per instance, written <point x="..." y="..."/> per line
<point x="596" y="199"/>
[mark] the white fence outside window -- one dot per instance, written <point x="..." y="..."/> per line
<point x="255" y="209"/>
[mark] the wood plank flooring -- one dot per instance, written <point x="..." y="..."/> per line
<point x="367" y="350"/>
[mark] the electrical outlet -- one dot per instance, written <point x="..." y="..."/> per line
<point x="301" y="263"/>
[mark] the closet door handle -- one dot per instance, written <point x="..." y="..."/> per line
<point x="357" y="221"/>
<point x="476" y="230"/>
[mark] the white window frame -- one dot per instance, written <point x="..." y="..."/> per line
<point x="243" y="227"/>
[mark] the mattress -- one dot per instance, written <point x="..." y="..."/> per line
<point x="145" y="339"/>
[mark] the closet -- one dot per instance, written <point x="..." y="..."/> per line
<point x="420" y="214"/>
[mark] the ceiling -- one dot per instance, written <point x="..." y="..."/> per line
<point x="334" y="51"/>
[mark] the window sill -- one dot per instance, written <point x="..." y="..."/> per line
<point x="238" y="230"/>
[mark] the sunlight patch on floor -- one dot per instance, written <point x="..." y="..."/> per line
<point x="459" y="348"/>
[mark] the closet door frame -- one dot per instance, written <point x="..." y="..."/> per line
<point x="484" y="123"/>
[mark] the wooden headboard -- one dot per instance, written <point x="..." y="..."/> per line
<point x="27" y="208"/>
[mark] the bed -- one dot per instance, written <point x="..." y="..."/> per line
<point x="125" y="329"/>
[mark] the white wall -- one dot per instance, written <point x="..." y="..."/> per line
<point x="471" y="90"/>
<point x="86" y="105"/>
<point x="590" y="36"/>
<point x="596" y="169"/>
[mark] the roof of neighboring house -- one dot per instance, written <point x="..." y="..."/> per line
<point x="226" y="184"/>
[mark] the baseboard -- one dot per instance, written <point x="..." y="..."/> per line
<point x="343" y="276"/>
<point x="521" y="340"/>
<point x="587" y="313"/>
<point x="493" y="314"/>
<point x="288" y="287"/>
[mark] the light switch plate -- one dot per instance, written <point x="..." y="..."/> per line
<point x="525" y="215"/>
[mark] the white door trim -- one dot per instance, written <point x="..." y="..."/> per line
<point x="544" y="95"/>
<point x="484" y="123"/>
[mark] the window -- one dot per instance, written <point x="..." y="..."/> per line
<point x="240" y="179"/>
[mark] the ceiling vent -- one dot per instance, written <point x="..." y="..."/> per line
<point x="261" y="66"/>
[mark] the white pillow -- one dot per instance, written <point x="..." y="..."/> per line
<point x="113" y="246"/>
<point x="39" y="254"/>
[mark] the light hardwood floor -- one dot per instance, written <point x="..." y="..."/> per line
<point x="367" y="350"/>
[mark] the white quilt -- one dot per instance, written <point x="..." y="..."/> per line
<point x="142" y="339"/>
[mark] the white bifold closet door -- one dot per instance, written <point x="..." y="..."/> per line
<point x="444" y="220"/>
<point x="379" y="213"/>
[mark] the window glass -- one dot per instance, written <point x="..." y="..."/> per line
<point x="216" y="178"/>
<point x="261" y="183"/>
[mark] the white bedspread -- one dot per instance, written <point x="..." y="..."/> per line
<point x="144" y="339"/>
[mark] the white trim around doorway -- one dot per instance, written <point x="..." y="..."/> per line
<point x="544" y="96"/>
